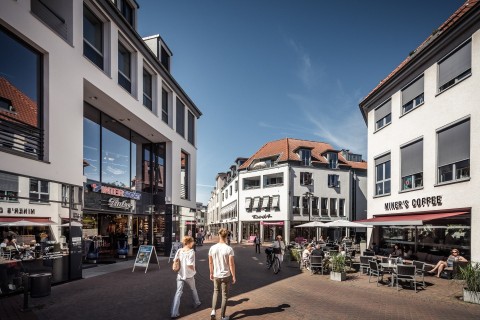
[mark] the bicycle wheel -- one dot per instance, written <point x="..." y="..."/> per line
<point x="269" y="262"/>
<point x="276" y="265"/>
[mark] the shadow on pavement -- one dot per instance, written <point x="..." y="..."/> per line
<point x="258" y="312"/>
<point x="232" y="303"/>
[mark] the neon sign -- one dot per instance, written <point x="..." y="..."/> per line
<point x="116" y="192"/>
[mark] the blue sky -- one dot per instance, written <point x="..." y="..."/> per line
<point x="262" y="70"/>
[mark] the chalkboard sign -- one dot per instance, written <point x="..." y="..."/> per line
<point x="144" y="255"/>
<point x="175" y="247"/>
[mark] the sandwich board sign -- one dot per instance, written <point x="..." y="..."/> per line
<point x="143" y="257"/>
<point x="175" y="247"/>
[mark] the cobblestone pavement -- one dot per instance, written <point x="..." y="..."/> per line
<point x="258" y="294"/>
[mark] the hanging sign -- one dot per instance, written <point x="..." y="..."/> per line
<point x="144" y="255"/>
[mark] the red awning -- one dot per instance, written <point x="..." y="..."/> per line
<point x="408" y="219"/>
<point x="45" y="221"/>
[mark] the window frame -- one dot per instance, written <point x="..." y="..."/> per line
<point x="332" y="182"/>
<point x="165" y="104"/>
<point x="306" y="178"/>
<point x="145" y="94"/>
<point x="464" y="75"/>
<point x="384" y="180"/>
<point x="305" y="157"/>
<point x="127" y="78"/>
<point x="92" y="46"/>
<point x="39" y="191"/>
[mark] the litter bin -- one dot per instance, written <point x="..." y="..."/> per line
<point x="40" y="285"/>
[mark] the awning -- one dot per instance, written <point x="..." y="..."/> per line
<point x="24" y="220"/>
<point x="408" y="219"/>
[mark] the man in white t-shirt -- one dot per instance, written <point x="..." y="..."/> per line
<point x="222" y="271"/>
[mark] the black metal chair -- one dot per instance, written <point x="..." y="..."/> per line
<point x="365" y="263"/>
<point x="420" y="270"/>
<point x="375" y="271"/>
<point x="406" y="273"/>
<point x="316" y="264"/>
<point x="369" y="253"/>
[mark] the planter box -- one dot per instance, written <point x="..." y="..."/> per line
<point x="470" y="296"/>
<point x="338" y="276"/>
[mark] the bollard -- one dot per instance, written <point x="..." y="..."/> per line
<point x="25" y="280"/>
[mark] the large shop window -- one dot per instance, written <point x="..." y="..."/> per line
<point x="383" y="115"/>
<point x="91" y="143"/>
<point x="8" y="187"/>
<point x="184" y="176"/>
<point x="412" y="165"/>
<point x="454" y="152"/>
<point x="412" y="95"/>
<point x="180" y="118"/>
<point x="455" y="67"/>
<point x="92" y="37"/>
<point x="124" y="67"/>
<point x="21" y="112"/>
<point x="39" y="191"/>
<point x="382" y="175"/>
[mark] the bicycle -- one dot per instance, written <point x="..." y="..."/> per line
<point x="272" y="259"/>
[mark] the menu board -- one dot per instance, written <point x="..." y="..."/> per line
<point x="175" y="247"/>
<point x="143" y="257"/>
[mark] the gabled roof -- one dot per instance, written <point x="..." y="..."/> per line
<point x="25" y="109"/>
<point x="466" y="7"/>
<point x="286" y="149"/>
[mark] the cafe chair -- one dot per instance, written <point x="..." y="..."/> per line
<point x="420" y="270"/>
<point x="365" y="263"/>
<point x="405" y="273"/>
<point x="316" y="264"/>
<point x="375" y="271"/>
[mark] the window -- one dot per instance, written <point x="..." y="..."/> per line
<point x="91" y="144"/>
<point x="341" y="207"/>
<point x="21" y="112"/>
<point x="8" y="187"/>
<point x="455" y="67"/>
<point x="332" y="160"/>
<point x="265" y="202"/>
<point x="256" y="203"/>
<point x="412" y="165"/>
<point x="454" y="152"/>
<point x="315" y="210"/>
<point x="296" y="205"/>
<point x="127" y="11"/>
<point x="92" y="37"/>
<point x="124" y="67"/>
<point x="191" y="128"/>
<point x="251" y="183"/>
<point x="165" y="106"/>
<point x="412" y="95"/>
<point x="165" y="58"/>
<point x="248" y="203"/>
<point x="230" y="190"/>
<point x="333" y="181"/>
<point x="333" y="207"/>
<point x="383" y="115"/>
<point x="184" y="176"/>
<point x="276" y="202"/>
<point x="180" y="118"/>
<point x="305" y="156"/>
<point x="236" y="186"/>
<point x="273" y="180"/>
<point x="306" y="178"/>
<point x="324" y="206"/>
<point x="382" y="175"/>
<point x="147" y="89"/>
<point x="39" y="191"/>
<point x="305" y="201"/>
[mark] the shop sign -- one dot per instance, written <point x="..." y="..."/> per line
<point x="115" y="191"/>
<point x="17" y="210"/>
<point x="433" y="201"/>
<point x="265" y="216"/>
<point x="280" y="223"/>
<point x="117" y="204"/>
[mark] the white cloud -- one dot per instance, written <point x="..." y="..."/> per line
<point x="304" y="71"/>
<point x="205" y="186"/>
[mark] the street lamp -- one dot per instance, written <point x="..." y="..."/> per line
<point x="308" y="195"/>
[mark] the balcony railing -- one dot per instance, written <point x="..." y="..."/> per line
<point x="18" y="136"/>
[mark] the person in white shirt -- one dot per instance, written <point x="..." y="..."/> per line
<point x="187" y="272"/>
<point x="222" y="271"/>
<point x="279" y="244"/>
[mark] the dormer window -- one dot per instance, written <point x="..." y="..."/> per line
<point x="332" y="159"/>
<point x="305" y="156"/>
<point x="165" y="58"/>
<point x="127" y="11"/>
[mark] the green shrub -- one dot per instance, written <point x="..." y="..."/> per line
<point x="470" y="274"/>
<point x="337" y="263"/>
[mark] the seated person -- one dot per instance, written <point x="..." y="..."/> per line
<point x="318" y="251"/>
<point x="306" y="256"/>
<point x="407" y="252"/>
<point x="441" y="265"/>
<point x="397" y="251"/>
<point x="321" y="240"/>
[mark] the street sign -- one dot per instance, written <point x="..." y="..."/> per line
<point x="144" y="255"/>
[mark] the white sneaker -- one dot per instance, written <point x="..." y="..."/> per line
<point x="212" y="315"/>
<point x="225" y="318"/>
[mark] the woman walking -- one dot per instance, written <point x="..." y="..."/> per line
<point x="187" y="271"/>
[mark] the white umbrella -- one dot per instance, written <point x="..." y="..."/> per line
<point x="24" y="223"/>
<point x="344" y="224"/>
<point x="73" y="224"/>
<point x="313" y="224"/>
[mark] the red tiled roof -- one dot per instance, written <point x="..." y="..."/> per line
<point x="467" y="6"/>
<point x="286" y="150"/>
<point x="26" y="109"/>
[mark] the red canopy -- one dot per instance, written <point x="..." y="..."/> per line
<point x="408" y="219"/>
<point x="31" y="219"/>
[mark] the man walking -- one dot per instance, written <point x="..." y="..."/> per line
<point x="257" y="243"/>
<point x="222" y="271"/>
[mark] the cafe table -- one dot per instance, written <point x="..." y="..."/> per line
<point x="388" y="268"/>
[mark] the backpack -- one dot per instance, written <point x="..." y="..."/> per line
<point x="176" y="263"/>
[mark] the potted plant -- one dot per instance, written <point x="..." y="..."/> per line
<point x="470" y="274"/>
<point x="337" y="263"/>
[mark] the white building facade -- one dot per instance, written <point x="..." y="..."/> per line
<point x="422" y="122"/>
<point x="90" y="112"/>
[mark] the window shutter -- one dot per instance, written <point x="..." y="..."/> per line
<point x="382" y="159"/>
<point x="454" y="143"/>
<point x="8" y="182"/>
<point x="412" y="91"/>
<point x="382" y="111"/>
<point x="412" y="158"/>
<point x="455" y="64"/>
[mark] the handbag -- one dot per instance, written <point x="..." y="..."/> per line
<point x="176" y="263"/>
